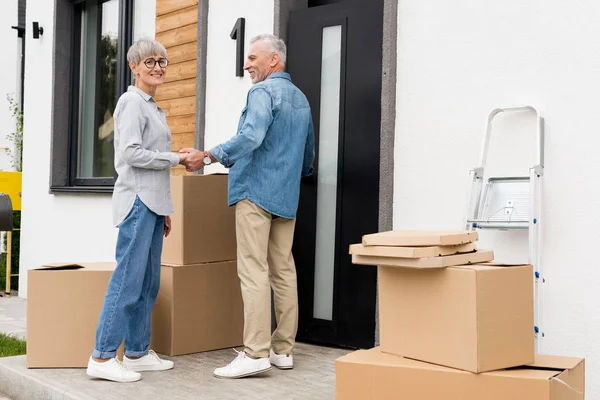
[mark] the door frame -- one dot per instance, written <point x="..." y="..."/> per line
<point x="282" y="9"/>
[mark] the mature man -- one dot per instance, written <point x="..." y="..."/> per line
<point x="273" y="148"/>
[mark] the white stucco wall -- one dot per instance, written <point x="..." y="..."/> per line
<point x="9" y="85"/>
<point x="226" y="93"/>
<point x="56" y="227"/>
<point x="456" y="62"/>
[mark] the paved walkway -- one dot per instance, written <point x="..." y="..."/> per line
<point x="13" y="313"/>
<point x="313" y="376"/>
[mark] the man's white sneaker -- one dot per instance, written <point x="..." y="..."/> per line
<point x="149" y="362"/>
<point x="281" y="361"/>
<point x="112" y="370"/>
<point x="243" y="366"/>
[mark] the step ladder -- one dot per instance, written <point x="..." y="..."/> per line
<point x="507" y="203"/>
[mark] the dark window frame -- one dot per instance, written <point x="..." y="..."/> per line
<point x="67" y="51"/>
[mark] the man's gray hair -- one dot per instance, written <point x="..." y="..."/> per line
<point x="277" y="45"/>
<point x="145" y="48"/>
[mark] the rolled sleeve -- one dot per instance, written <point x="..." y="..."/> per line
<point x="222" y="157"/>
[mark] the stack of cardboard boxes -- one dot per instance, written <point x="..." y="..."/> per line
<point x="452" y="326"/>
<point x="199" y="306"/>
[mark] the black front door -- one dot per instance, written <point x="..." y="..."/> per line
<point x="335" y="58"/>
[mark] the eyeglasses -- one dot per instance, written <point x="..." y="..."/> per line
<point x="151" y="63"/>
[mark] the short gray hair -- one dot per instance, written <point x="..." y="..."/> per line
<point x="277" y="45"/>
<point x="145" y="48"/>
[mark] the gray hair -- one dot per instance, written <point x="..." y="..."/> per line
<point x="145" y="48"/>
<point x="275" y="44"/>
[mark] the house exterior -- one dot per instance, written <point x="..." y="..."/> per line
<point x="401" y="92"/>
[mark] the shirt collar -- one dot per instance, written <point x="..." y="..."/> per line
<point x="143" y="94"/>
<point x="283" y="75"/>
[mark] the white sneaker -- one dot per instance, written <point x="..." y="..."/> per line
<point x="243" y="366"/>
<point x="281" y="361"/>
<point x="112" y="370"/>
<point x="149" y="362"/>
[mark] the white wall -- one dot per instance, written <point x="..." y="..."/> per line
<point x="456" y="62"/>
<point x="226" y="93"/>
<point x="56" y="227"/>
<point x="10" y="69"/>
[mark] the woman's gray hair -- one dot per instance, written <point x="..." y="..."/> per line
<point x="145" y="48"/>
<point x="277" y="45"/>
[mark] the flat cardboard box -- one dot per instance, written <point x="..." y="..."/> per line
<point x="373" y="375"/>
<point x="478" y="256"/>
<point x="420" y="238"/>
<point x="203" y="226"/>
<point x="63" y="308"/>
<point x="411" y="252"/>
<point x="472" y="317"/>
<point x="199" y="308"/>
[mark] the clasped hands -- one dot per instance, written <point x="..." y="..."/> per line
<point x="193" y="159"/>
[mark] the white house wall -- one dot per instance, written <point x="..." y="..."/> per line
<point x="10" y="84"/>
<point x="226" y="93"/>
<point x="456" y="62"/>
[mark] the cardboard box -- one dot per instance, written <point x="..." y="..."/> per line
<point x="373" y="375"/>
<point x="203" y="226"/>
<point x="411" y="252"/>
<point x="472" y="317"/>
<point x="199" y="308"/>
<point x="422" y="263"/>
<point x="63" y="308"/>
<point x="420" y="238"/>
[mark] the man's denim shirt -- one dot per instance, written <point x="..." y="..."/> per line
<point x="273" y="147"/>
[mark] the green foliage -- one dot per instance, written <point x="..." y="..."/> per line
<point x="16" y="137"/>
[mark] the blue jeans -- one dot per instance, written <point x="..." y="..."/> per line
<point x="133" y="286"/>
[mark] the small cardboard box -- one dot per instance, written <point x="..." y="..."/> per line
<point x="203" y="226"/>
<point x="472" y="317"/>
<point x="474" y="257"/>
<point x="373" y="375"/>
<point x="420" y="238"/>
<point x="198" y="308"/>
<point x="63" y="308"/>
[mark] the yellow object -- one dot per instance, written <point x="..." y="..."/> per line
<point x="10" y="183"/>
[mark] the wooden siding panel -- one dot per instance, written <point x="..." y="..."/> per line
<point x="182" y="124"/>
<point x="182" y="141"/>
<point x="178" y="36"/>
<point x="177" y="19"/>
<point x="183" y="53"/>
<point x="184" y="70"/>
<point x="176" y="90"/>
<point x="175" y="107"/>
<point x="168" y="6"/>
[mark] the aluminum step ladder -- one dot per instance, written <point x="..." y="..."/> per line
<point x="507" y="203"/>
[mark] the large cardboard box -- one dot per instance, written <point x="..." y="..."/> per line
<point x="373" y="375"/>
<point x="198" y="308"/>
<point x="472" y="317"/>
<point x="63" y="308"/>
<point x="203" y="226"/>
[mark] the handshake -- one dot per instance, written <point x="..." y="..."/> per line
<point x="193" y="159"/>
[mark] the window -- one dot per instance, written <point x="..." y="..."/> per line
<point x="91" y="72"/>
<point x="95" y="80"/>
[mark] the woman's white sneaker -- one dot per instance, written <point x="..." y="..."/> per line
<point x="149" y="362"/>
<point x="281" y="361"/>
<point x="112" y="370"/>
<point x="243" y="366"/>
